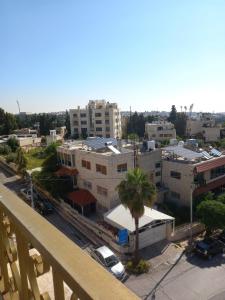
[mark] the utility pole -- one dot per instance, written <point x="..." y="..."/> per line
<point x="191" y="213"/>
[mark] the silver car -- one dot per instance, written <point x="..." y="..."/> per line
<point x="110" y="261"/>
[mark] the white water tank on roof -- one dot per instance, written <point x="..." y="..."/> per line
<point x="173" y="142"/>
<point x="181" y="143"/>
<point x="151" y="145"/>
<point x="53" y="132"/>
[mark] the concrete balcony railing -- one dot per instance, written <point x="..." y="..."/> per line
<point x="39" y="262"/>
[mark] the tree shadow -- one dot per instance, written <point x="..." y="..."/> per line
<point x="6" y="173"/>
<point x="201" y="262"/>
<point x="154" y="250"/>
<point x="15" y="185"/>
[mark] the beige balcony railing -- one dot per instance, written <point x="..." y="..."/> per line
<point x="38" y="262"/>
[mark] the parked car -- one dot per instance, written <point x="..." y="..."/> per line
<point x="43" y="207"/>
<point x="209" y="247"/>
<point x="110" y="261"/>
<point x="221" y="236"/>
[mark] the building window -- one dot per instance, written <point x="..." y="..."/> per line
<point x="86" y="164"/>
<point x="157" y="173"/>
<point x="87" y="184"/>
<point x="98" y="114"/>
<point x="101" y="169"/>
<point x="175" y="174"/>
<point x="75" y="130"/>
<point x="98" y="129"/>
<point x="107" y="122"/>
<point x="107" y="135"/>
<point x="107" y="129"/>
<point x="106" y="113"/>
<point x="217" y="172"/>
<point x="83" y="122"/>
<point x="75" y="123"/>
<point x="175" y="195"/>
<point x="98" y="122"/>
<point x="161" y="135"/>
<point x="121" y="168"/>
<point x="158" y="165"/>
<point x="83" y="115"/>
<point x="102" y="191"/>
<point x="99" y="135"/>
<point x="74" y="115"/>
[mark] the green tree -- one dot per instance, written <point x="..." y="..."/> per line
<point x="135" y="191"/>
<point x="13" y="144"/>
<point x="173" y="114"/>
<point x="67" y="123"/>
<point x="212" y="214"/>
<point x="221" y="198"/>
<point x="21" y="161"/>
<point x="7" y="122"/>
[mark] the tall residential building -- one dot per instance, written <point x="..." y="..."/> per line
<point x="98" y="118"/>
<point x="160" y="131"/>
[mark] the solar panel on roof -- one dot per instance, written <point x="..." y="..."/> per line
<point x="215" y="152"/>
<point x="183" y="152"/>
<point x="206" y="155"/>
<point x="98" y="143"/>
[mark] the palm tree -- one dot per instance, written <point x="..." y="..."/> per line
<point x="135" y="191"/>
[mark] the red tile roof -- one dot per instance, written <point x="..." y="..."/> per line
<point x="81" y="197"/>
<point x="210" y="186"/>
<point x="210" y="164"/>
<point x="64" y="171"/>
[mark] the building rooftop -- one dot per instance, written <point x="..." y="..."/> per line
<point x="183" y="154"/>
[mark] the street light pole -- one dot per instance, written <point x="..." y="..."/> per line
<point x="191" y="212"/>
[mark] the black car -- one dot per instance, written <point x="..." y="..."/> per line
<point x="221" y="236"/>
<point x="44" y="207"/>
<point x="209" y="247"/>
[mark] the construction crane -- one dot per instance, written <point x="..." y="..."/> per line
<point x="191" y="109"/>
<point x="18" y="105"/>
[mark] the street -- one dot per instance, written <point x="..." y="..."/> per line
<point x="14" y="183"/>
<point x="193" y="278"/>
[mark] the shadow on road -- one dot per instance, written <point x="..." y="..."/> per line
<point x="15" y="185"/>
<point x="154" y="250"/>
<point x="202" y="262"/>
<point x="6" y="173"/>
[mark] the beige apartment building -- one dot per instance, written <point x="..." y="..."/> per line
<point x="160" y="131"/>
<point x="186" y="173"/>
<point x="204" y="126"/>
<point x="100" y="168"/>
<point x="99" y="118"/>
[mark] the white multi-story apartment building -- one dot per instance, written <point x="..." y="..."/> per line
<point x="99" y="170"/>
<point x="160" y="131"/>
<point x="98" y="118"/>
<point x="188" y="174"/>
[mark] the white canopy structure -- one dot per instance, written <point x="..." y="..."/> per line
<point x="121" y="218"/>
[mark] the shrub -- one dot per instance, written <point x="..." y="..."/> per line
<point x="11" y="157"/>
<point x="13" y="143"/>
<point x="142" y="267"/>
<point x="5" y="149"/>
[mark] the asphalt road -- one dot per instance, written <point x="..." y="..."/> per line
<point x="14" y="183"/>
<point x="193" y="278"/>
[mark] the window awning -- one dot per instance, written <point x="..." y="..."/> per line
<point x="81" y="197"/>
<point x="64" y="171"/>
<point x="209" y="187"/>
<point x="210" y="164"/>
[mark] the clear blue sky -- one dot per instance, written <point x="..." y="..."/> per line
<point x="55" y="54"/>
